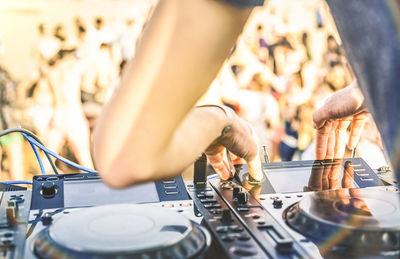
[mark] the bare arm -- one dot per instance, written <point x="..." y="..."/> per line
<point x="147" y="131"/>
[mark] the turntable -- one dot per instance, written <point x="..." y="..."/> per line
<point x="343" y="223"/>
<point x="77" y="216"/>
<point x="121" y="231"/>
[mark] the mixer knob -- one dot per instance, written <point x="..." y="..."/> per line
<point x="277" y="203"/>
<point x="236" y="191"/>
<point x="47" y="219"/>
<point x="243" y="198"/>
<point x="48" y="190"/>
<point x="226" y="217"/>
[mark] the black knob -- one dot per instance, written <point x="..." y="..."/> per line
<point x="243" y="197"/>
<point x="236" y="191"/>
<point x="48" y="190"/>
<point x="226" y="217"/>
<point x="277" y="203"/>
<point x="11" y="215"/>
<point x="200" y="171"/>
<point x="47" y="219"/>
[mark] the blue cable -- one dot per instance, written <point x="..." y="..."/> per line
<point x="36" y="154"/>
<point x="68" y="162"/>
<point x="212" y="176"/>
<point x="17" y="182"/>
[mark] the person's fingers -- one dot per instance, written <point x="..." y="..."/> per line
<point x="325" y="176"/>
<point x="253" y="161"/>
<point x="320" y="117"/>
<point x="341" y="138"/>
<point x="330" y="146"/>
<point x="334" y="175"/>
<point x="254" y="166"/>
<point x="220" y="166"/>
<point x="348" y="175"/>
<point x="321" y="140"/>
<point x="356" y="128"/>
<point x="314" y="182"/>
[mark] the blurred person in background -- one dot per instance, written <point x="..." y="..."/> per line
<point x="69" y="122"/>
<point x="10" y="116"/>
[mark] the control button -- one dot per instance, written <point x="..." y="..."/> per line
<point x="236" y="191"/>
<point x="170" y="186"/>
<point x="93" y="177"/>
<point x="243" y="209"/>
<point x="169" y="181"/>
<point x="190" y="185"/>
<point x="359" y="170"/>
<point x="366" y="179"/>
<point x="167" y="205"/>
<point x="185" y="204"/>
<point x="212" y="206"/>
<point x="222" y="229"/>
<point x="201" y="195"/>
<point x="209" y="195"/>
<point x="299" y="195"/>
<point x="261" y="223"/>
<point x="46" y="219"/>
<point x="19" y="200"/>
<point x="228" y="238"/>
<point x="255" y="216"/>
<point x="13" y="196"/>
<point x="226" y="217"/>
<point x="74" y="177"/>
<point x="8" y="234"/>
<point x="236" y="228"/>
<point x="243" y="197"/>
<point x="52" y="179"/>
<point x="243" y="251"/>
<point x="216" y="211"/>
<point x="171" y="192"/>
<point x="243" y="237"/>
<point x="277" y="203"/>
<point x="211" y="200"/>
<point x="48" y="190"/>
<point x="6" y="242"/>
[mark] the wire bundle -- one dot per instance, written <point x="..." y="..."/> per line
<point x="35" y="143"/>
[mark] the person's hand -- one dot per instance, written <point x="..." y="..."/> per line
<point x="340" y="111"/>
<point x="242" y="142"/>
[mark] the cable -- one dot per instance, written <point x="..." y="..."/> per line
<point x="29" y="133"/>
<point x="68" y="162"/>
<point x="37" y="155"/>
<point x="17" y="182"/>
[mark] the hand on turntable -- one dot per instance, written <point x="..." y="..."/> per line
<point x="242" y="141"/>
<point x="342" y="110"/>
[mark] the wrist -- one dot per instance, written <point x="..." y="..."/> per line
<point x="226" y="114"/>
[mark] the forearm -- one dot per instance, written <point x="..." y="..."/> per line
<point x="147" y="118"/>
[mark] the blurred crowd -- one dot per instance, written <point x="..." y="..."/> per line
<point x="280" y="71"/>
<point x="275" y="77"/>
<point x="73" y="78"/>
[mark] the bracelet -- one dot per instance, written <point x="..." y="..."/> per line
<point x="229" y="115"/>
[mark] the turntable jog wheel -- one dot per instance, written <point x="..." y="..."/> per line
<point x="353" y="220"/>
<point x="123" y="231"/>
